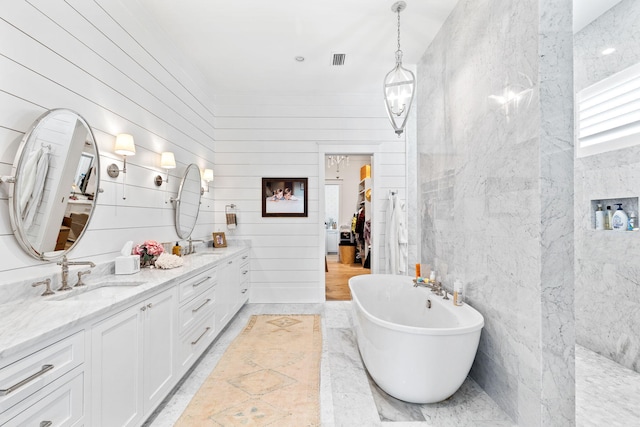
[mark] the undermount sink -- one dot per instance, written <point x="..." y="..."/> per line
<point x="211" y="254"/>
<point x="97" y="291"/>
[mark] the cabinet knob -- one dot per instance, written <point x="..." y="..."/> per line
<point x="143" y="308"/>
<point x="149" y="305"/>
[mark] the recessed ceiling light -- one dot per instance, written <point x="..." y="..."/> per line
<point x="300" y="58"/>
<point x="609" y="51"/>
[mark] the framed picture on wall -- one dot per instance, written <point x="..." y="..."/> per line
<point x="284" y="197"/>
<point x="219" y="240"/>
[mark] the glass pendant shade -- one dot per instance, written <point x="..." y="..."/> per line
<point x="399" y="89"/>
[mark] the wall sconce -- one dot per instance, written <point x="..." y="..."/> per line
<point x="167" y="161"/>
<point x="207" y="176"/>
<point x="125" y="147"/>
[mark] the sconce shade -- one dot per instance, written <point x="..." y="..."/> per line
<point x="167" y="160"/>
<point x="125" y="145"/>
<point x="208" y="175"/>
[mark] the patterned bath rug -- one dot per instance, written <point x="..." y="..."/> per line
<point x="269" y="376"/>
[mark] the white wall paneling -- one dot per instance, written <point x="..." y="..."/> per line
<point x="100" y="60"/>
<point x="104" y="61"/>
<point x="288" y="136"/>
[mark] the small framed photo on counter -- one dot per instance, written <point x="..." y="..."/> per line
<point x="219" y="240"/>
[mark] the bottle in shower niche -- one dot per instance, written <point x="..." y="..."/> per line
<point x="599" y="218"/>
<point x="457" y="293"/>
<point x="608" y="216"/>
<point x="620" y="221"/>
<point x="633" y="221"/>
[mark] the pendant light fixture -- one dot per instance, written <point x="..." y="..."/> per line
<point x="399" y="85"/>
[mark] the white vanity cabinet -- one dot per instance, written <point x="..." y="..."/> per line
<point x="45" y="386"/>
<point x="197" y="330"/>
<point x="133" y="363"/>
<point x="233" y="288"/>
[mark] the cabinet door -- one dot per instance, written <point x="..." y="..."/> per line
<point x="224" y="294"/>
<point x="116" y="371"/>
<point x="160" y="322"/>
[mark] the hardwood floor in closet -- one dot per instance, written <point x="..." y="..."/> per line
<point x="337" y="278"/>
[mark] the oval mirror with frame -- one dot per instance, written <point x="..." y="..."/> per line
<point x="56" y="176"/>
<point x="188" y="201"/>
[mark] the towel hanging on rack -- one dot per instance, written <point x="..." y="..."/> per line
<point x="232" y="218"/>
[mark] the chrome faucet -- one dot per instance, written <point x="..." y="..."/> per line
<point x="65" y="271"/>
<point x="47" y="283"/>
<point x="80" y="274"/>
<point x="191" y="249"/>
<point x="437" y="288"/>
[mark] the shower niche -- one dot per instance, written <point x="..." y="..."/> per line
<point x="629" y="206"/>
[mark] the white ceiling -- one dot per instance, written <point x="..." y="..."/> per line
<point x="250" y="45"/>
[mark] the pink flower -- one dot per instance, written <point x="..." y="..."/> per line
<point x="149" y="247"/>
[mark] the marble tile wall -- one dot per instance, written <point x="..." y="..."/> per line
<point x="607" y="274"/>
<point x="495" y="192"/>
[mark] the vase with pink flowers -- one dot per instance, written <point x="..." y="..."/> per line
<point x="149" y="251"/>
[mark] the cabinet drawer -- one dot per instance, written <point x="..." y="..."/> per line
<point x="59" y="404"/>
<point x="195" y="342"/>
<point x="195" y="310"/>
<point x="197" y="284"/>
<point x="29" y="374"/>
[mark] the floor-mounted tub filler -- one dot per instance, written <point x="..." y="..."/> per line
<point x="418" y="347"/>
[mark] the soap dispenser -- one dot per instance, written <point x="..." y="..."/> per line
<point x="620" y="221"/>
<point x="177" y="250"/>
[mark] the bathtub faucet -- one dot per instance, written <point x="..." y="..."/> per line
<point x="437" y="288"/>
<point x="425" y="284"/>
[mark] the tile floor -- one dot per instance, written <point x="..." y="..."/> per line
<point x="606" y="394"/>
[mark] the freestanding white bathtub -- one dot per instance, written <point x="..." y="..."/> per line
<point x="414" y="353"/>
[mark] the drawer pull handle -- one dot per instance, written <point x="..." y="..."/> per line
<point x="245" y="272"/>
<point x="200" y="337"/>
<point x="244" y="290"/>
<point x="195" y="310"/>
<point x="46" y="423"/>
<point x="230" y="262"/>
<point x="45" y="368"/>
<point x="195" y="285"/>
<point x="245" y="257"/>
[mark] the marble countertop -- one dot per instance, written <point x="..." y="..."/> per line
<point x="26" y="323"/>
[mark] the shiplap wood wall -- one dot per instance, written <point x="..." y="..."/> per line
<point x="95" y="58"/>
<point x="288" y="136"/>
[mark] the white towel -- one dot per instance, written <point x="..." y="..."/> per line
<point x="42" y="168"/>
<point x="28" y="179"/>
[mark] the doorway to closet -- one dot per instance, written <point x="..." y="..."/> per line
<point x="348" y="214"/>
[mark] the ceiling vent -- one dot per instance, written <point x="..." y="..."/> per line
<point x="338" y="59"/>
